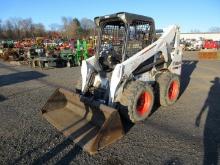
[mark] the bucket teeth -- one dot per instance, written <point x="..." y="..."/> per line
<point x="88" y="123"/>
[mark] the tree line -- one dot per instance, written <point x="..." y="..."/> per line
<point x="18" y="28"/>
<point x="213" y="29"/>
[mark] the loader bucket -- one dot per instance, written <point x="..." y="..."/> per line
<point x="88" y="123"/>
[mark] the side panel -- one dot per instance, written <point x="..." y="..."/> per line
<point x="88" y="67"/>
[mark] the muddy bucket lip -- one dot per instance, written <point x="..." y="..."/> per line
<point x="83" y="99"/>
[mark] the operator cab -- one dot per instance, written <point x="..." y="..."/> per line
<point x="122" y="35"/>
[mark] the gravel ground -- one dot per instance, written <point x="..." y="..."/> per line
<point x="168" y="136"/>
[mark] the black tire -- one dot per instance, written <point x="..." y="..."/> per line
<point x="131" y="103"/>
<point x="169" y="88"/>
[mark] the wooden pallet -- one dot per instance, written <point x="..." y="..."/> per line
<point x="209" y="54"/>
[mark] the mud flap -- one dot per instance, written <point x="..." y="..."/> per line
<point x="88" y="123"/>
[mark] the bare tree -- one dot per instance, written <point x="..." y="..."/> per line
<point x="195" y="31"/>
<point x="71" y="28"/>
<point x="87" y="24"/>
<point x="66" y="30"/>
<point x="214" y="29"/>
<point x="38" y="30"/>
<point x="9" y="29"/>
<point x="1" y="29"/>
<point x="25" y="26"/>
<point x="17" y="28"/>
<point x="55" y="27"/>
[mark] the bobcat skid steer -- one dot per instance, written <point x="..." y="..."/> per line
<point x="121" y="80"/>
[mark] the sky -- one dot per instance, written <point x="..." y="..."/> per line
<point x="188" y="14"/>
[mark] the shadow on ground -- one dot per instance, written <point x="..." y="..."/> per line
<point x="211" y="134"/>
<point x="174" y="161"/>
<point x="2" y="98"/>
<point x="188" y="67"/>
<point x="19" y="77"/>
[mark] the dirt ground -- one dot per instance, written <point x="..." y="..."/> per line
<point x="186" y="133"/>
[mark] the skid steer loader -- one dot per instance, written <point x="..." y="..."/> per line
<point x="129" y="70"/>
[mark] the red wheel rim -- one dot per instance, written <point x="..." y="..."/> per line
<point x="173" y="90"/>
<point x="144" y="103"/>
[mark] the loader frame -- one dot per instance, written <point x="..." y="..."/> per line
<point x="142" y="65"/>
